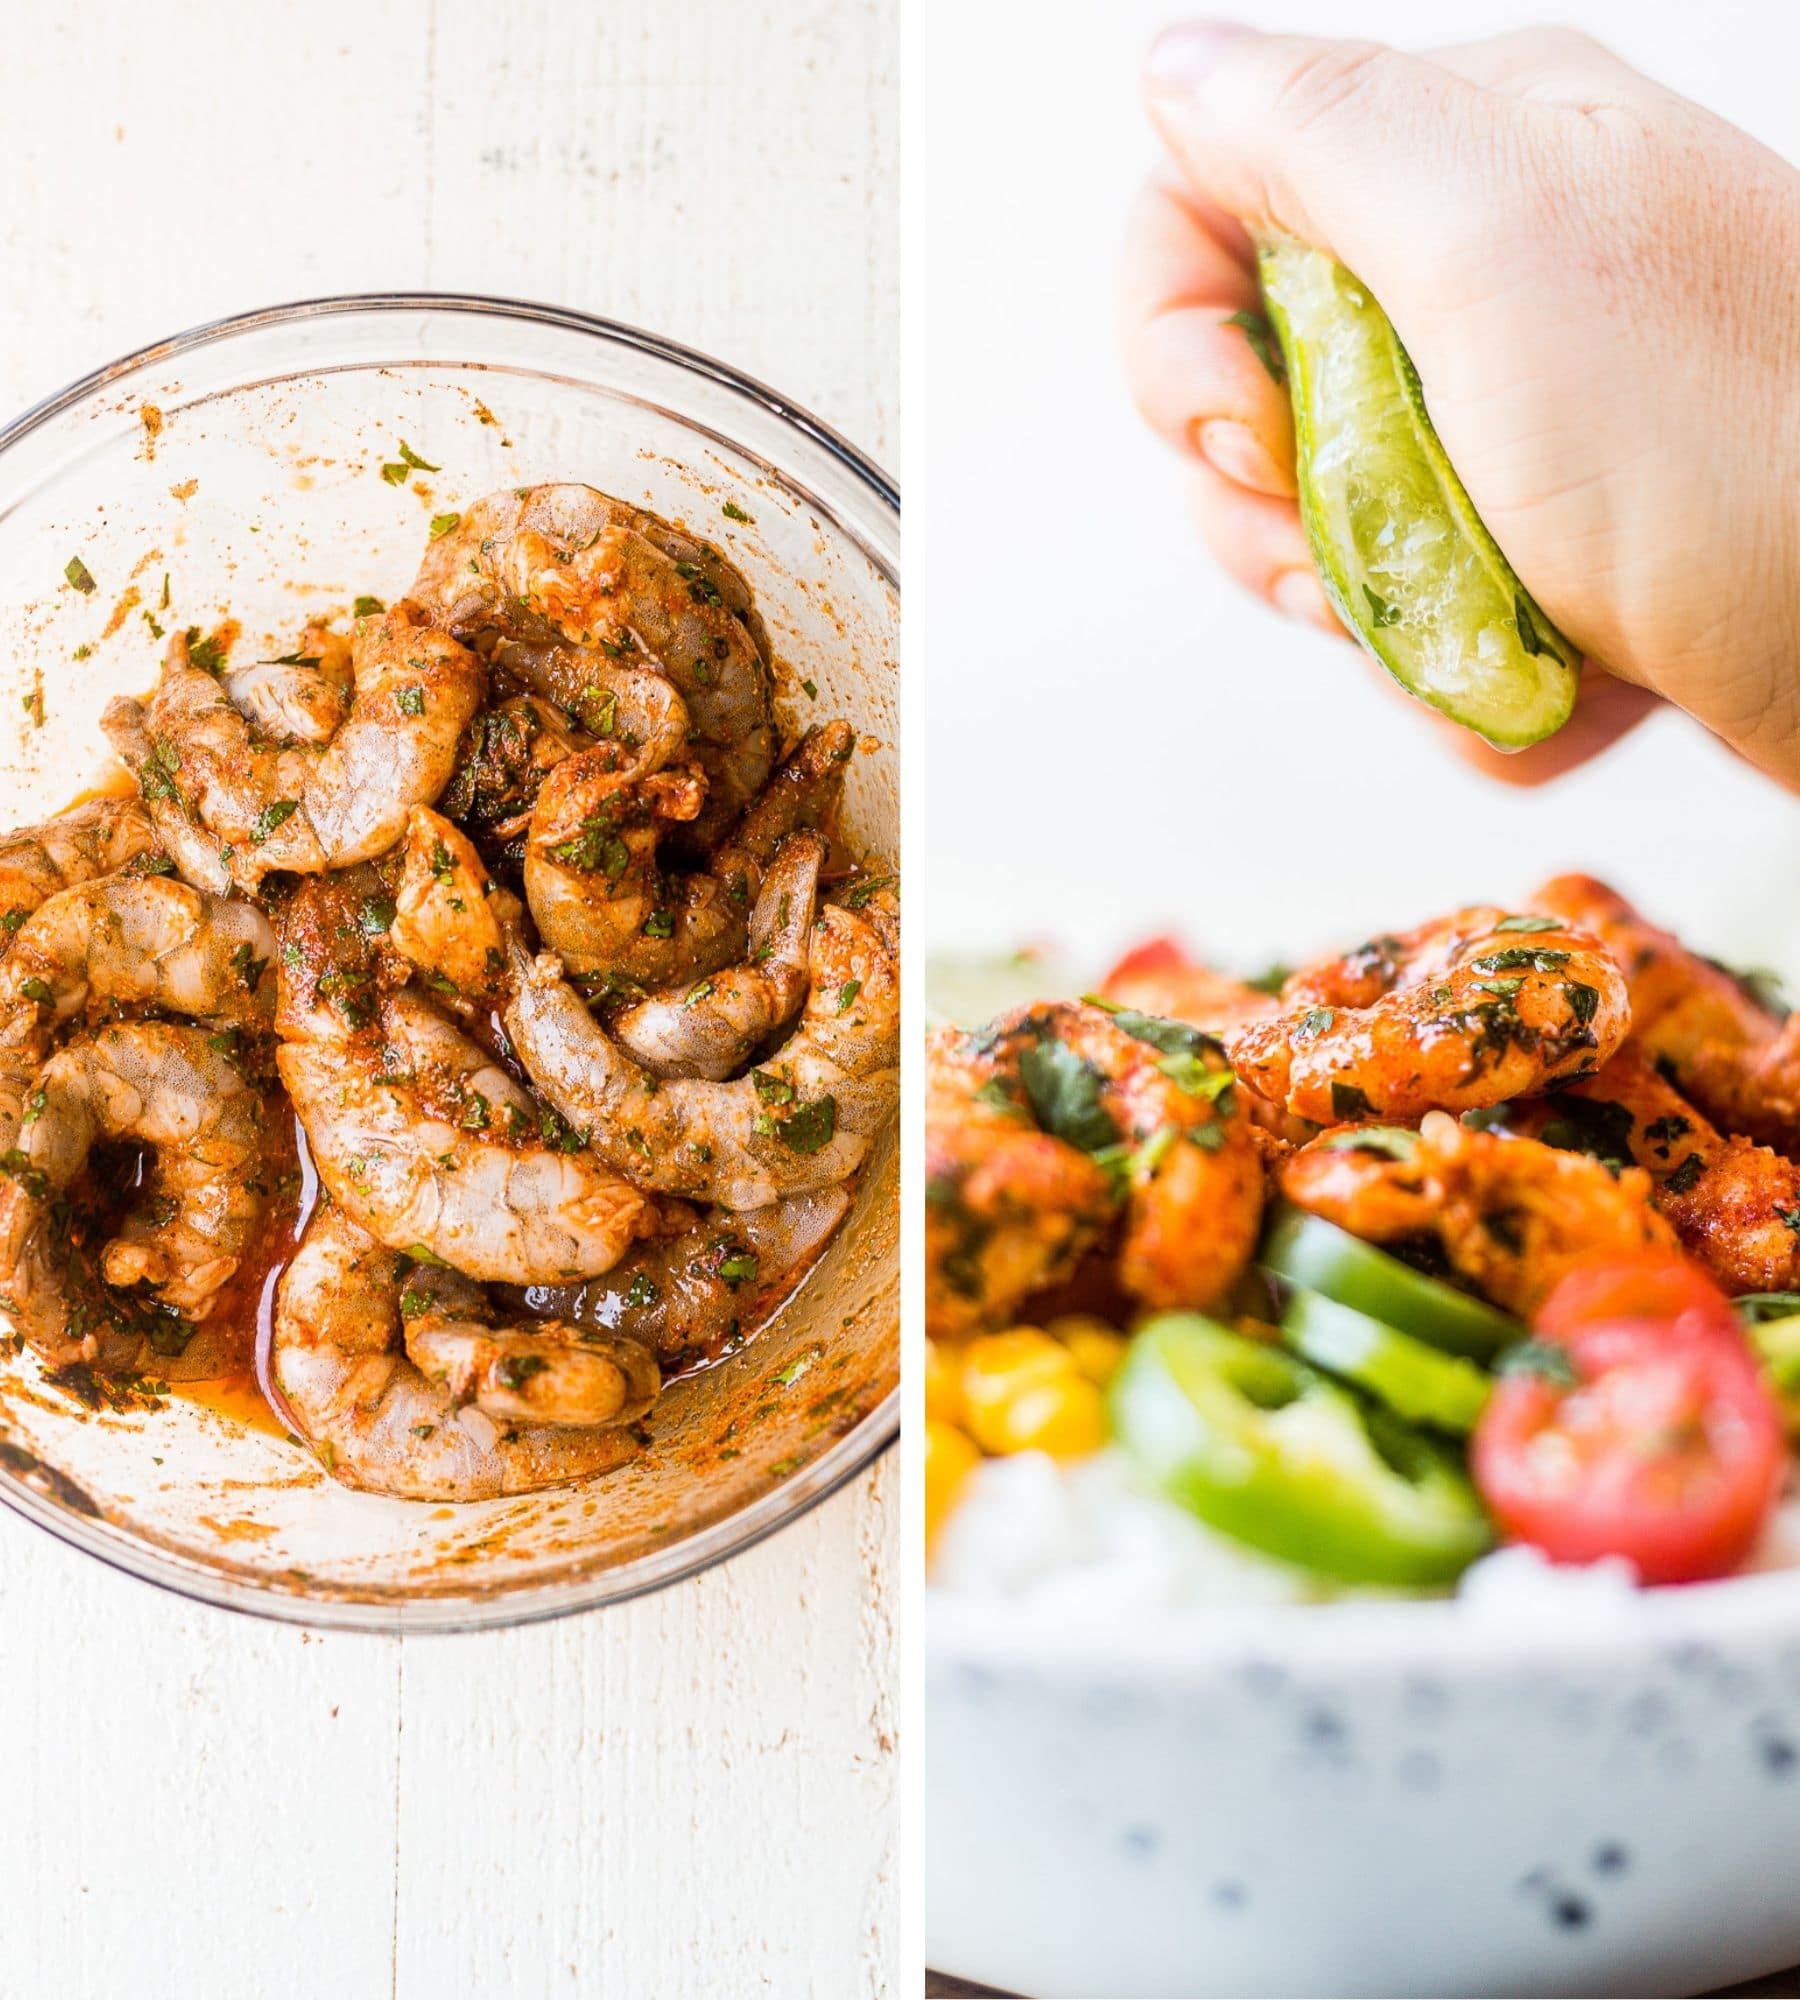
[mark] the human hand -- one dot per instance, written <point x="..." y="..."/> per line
<point x="1599" y="284"/>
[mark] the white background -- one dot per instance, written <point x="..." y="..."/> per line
<point x="690" y="1796"/>
<point x="1118" y="739"/>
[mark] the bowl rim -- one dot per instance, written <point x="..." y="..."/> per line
<point x="482" y="305"/>
<point x="1568" y="1621"/>
<point x="770" y="1511"/>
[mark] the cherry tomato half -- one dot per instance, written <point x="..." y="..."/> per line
<point x="1659" y="1441"/>
<point x="1650" y="1285"/>
<point x="1157" y="954"/>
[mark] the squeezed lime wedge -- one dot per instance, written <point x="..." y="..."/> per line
<point x="1403" y="555"/>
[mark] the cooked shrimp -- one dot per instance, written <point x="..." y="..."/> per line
<point x="806" y="1120"/>
<point x="167" y="1088"/>
<point x="433" y="1148"/>
<point x="1151" y="1127"/>
<point x="450" y="919"/>
<point x="127" y="941"/>
<point x="1511" y="1215"/>
<point x="697" y="1290"/>
<point x="302" y="698"/>
<point x="1730" y="1054"/>
<point x="1735" y="1204"/>
<point x="565" y="566"/>
<point x="404" y="1384"/>
<point x="232" y="808"/>
<point x="1468" y="1011"/>
<point x="712" y="1028"/>
<point x="98" y="838"/>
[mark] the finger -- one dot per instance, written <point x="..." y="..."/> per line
<point x="1199" y="379"/>
<point x="1259" y="542"/>
<point x="1351" y="146"/>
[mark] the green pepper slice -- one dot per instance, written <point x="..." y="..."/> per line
<point x="1268" y="1450"/>
<point x="1416" y="1381"/>
<point x="1307" y="1250"/>
<point x="1772" y="1327"/>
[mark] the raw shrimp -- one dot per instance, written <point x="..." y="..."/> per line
<point x="301" y="698"/>
<point x="404" y="1383"/>
<point x="1468" y="1011"/>
<point x="231" y="808"/>
<point x="711" y="1029"/>
<point x="450" y="919"/>
<point x="165" y="1087"/>
<point x="127" y="941"/>
<point x="1511" y="1215"/>
<point x="598" y="897"/>
<point x="1148" y="1106"/>
<point x="609" y="913"/>
<point x="98" y="838"/>
<point x="1730" y="1054"/>
<point x="1735" y="1204"/>
<point x="696" y="1292"/>
<point x="565" y="566"/>
<point x="806" y="1120"/>
<point x="433" y="1148"/>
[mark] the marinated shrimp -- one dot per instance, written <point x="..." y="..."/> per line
<point x="689" y="1292"/>
<point x="232" y="807"/>
<point x="1734" y="1057"/>
<point x="564" y="567"/>
<point x="1147" y="1125"/>
<point x="1735" y="1205"/>
<point x="605" y="907"/>
<point x="431" y="1146"/>
<point x="167" y="1088"/>
<point x="127" y="941"/>
<point x="405" y="1382"/>
<point x="1511" y="1215"/>
<point x="805" y="1120"/>
<point x="712" y="1028"/>
<point x="1465" y="1012"/>
<point x="450" y="918"/>
<point x="301" y="698"/>
<point x="98" y="838"/>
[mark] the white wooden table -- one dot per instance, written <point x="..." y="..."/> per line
<point x="690" y="1795"/>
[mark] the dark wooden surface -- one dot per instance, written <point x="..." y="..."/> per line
<point x="1778" y="1986"/>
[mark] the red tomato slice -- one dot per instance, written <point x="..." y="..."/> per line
<point x="1667" y="1449"/>
<point x="1650" y="1285"/>
<point x="1157" y="954"/>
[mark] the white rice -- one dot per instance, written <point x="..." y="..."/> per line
<point x="1086" y="1540"/>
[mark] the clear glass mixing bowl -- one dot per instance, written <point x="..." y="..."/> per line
<point x="243" y="460"/>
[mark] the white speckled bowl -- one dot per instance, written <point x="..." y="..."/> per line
<point x="1575" y="1791"/>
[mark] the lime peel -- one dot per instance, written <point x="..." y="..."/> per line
<point x="1408" y="564"/>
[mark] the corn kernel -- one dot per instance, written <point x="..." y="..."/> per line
<point x="1067" y="1419"/>
<point x="1096" y="1348"/>
<point x="1022" y="1391"/>
<point x="950" y="1456"/>
<point x="943" y="1383"/>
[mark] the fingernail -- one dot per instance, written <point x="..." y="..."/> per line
<point x="1182" y="57"/>
<point x="1296" y="594"/>
<point x="1235" y="450"/>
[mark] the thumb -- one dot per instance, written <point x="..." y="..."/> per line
<point x="1353" y="147"/>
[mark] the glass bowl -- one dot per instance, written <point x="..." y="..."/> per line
<point x="243" y="462"/>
